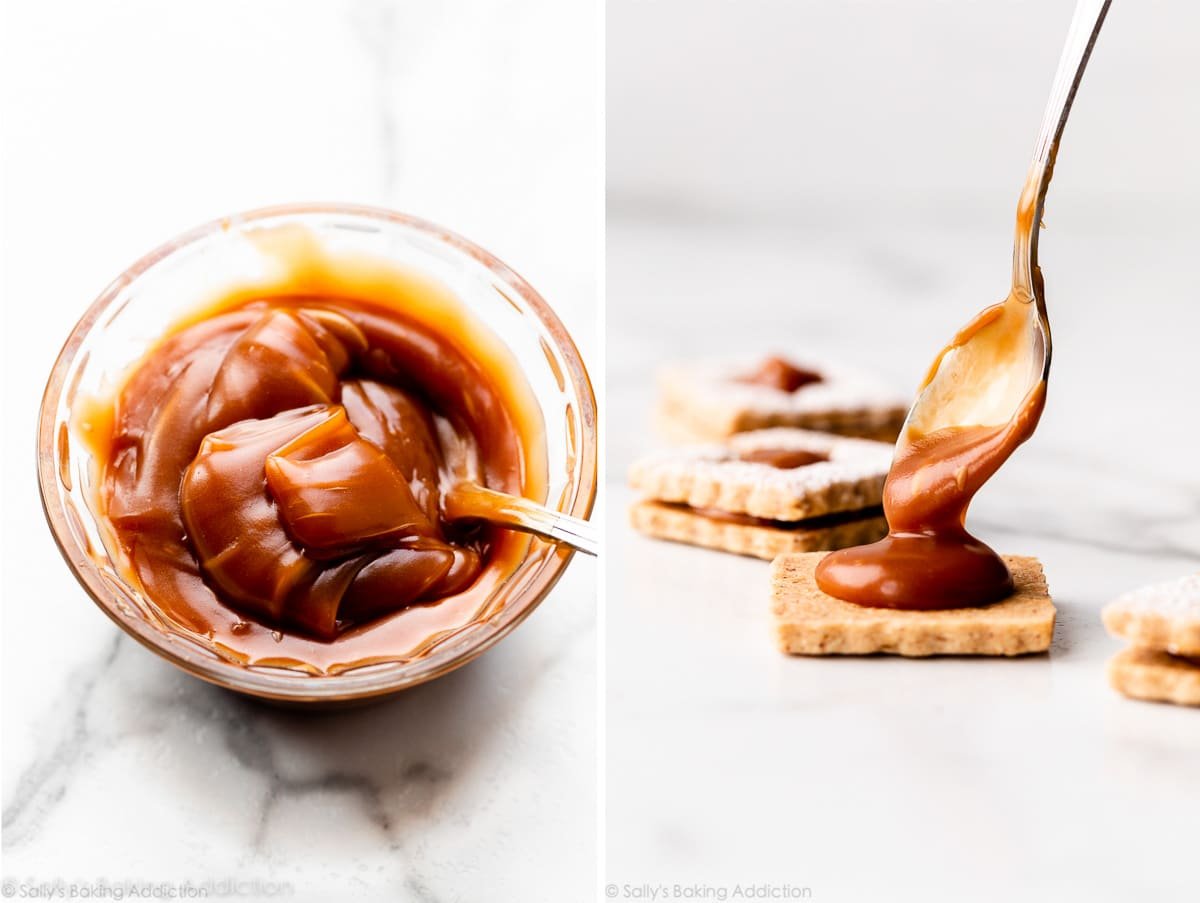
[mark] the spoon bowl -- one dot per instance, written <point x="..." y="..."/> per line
<point x="985" y="375"/>
<point x="988" y="373"/>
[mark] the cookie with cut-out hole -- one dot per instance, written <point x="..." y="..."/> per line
<point x="777" y="474"/>
<point x="764" y="492"/>
<point x="713" y="399"/>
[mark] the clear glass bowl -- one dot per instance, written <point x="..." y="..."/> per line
<point x="170" y="282"/>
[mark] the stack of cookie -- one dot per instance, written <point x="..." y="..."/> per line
<point x="1162" y="622"/>
<point x="765" y="492"/>
<point x="712" y="400"/>
<point x="793" y="469"/>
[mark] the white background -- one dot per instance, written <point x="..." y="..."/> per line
<point x="790" y="174"/>
<point x="126" y="123"/>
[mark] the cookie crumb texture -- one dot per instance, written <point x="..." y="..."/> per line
<point x="809" y="622"/>
<point x="1155" y="676"/>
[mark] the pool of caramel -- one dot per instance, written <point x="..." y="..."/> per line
<point x="384" y="344"/>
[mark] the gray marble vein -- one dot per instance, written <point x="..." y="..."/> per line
<point x="45" y="781"/>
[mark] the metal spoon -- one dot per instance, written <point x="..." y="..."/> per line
<point x="470" y="501"/>
<point x="987" y="374"/>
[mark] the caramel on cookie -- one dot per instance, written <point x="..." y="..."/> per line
<point x="810" y="622"/>
<point x="710" y="400"/>
<point x="764" y="493"/>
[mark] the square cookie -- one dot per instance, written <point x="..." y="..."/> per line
<point x="710" y="400"/>
<point x="752" y="475"/>
<point x="760" y="539"/>
<point x="809" y="622"/>
<point x="1155" y="676"/>
<point x="1163" y="616"/>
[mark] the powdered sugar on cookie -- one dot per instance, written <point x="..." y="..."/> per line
<point x="710" y="399"/>
<point x="1163" y="616"/>
<point x="714" y="476"/>
<point x="1176" y="599"/>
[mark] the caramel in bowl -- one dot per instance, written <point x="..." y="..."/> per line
<point x="222" y="391"/>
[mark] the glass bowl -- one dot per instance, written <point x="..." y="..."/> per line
<point x="177" y="279"/>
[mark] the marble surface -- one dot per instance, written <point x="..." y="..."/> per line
<point x="882" y="778"/>
<point x="125" y="124"/>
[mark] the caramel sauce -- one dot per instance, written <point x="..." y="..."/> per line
<point x="811" y="523"/>
<point x="953" y="442"/>
<point x="270" y="473"/>
<point x="780" y="374"/>
<point x="783" y="458"/>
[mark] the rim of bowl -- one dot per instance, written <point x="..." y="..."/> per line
<point x="280" y="684"/>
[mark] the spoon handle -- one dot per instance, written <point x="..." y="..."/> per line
<point x="1081" y="38"/>
<point x="475" y="502"/>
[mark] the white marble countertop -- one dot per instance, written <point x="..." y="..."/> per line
<point x="883" y="778"/>
<point x="126" y="124"/>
